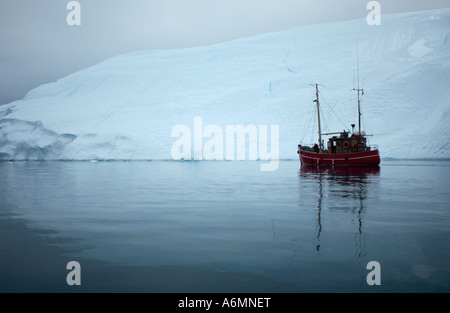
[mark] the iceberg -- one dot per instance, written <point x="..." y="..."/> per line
<point x="126" y="107"/>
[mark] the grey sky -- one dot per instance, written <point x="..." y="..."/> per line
<point x="37" y="45"/>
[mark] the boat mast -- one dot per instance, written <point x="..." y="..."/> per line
<point x="359" y="113"/>
<point x="318" y="116"/>
<point x="358" y="90"/>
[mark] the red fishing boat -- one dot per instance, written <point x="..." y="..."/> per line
<point x="344" y="148"/>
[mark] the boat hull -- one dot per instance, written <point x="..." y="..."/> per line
<point x="366" y="158"/>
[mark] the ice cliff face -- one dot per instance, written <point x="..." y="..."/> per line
<point x="127" y="106"/>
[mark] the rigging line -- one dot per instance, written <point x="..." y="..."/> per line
<point x="310" y="114"/>
<point x="366" y="127"/>
<point x="324" y="121"/>
<point x="326" y="102"/>
<point x="313" y="128"/>
<point x="312" y="120"/>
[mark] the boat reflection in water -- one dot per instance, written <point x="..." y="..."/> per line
<point x="339" y="189"/>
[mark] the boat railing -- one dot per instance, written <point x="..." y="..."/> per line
<point x="308" y="148"/>
<point x="367" y="148"/>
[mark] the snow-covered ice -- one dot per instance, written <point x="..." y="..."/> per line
<point x="126" y="107"/>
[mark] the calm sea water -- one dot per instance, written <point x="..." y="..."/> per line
<point x="224" y="226"/>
